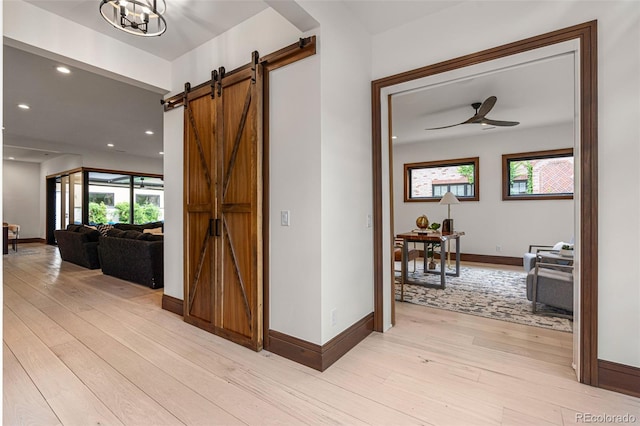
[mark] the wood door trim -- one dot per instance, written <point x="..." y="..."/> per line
<point x="586" y="33"/>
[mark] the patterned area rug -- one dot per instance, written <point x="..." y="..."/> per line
<point x="490" y="293"/>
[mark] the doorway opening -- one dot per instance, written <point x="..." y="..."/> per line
<point x="538" y="207"/>
<point x="580" y="39"/>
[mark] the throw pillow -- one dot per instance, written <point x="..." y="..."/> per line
<point x="92" y="234"/>
<point x="103" y="229"/>
<point x="157" y="230"/>
<point x="132" y="235"/>
<point x="116" y="233"/>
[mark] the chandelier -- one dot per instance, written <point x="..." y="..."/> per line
<point x="138" y="17"/>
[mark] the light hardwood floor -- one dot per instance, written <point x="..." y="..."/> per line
<point x="82" y="348"/>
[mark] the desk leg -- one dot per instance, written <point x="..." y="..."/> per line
<point x="425" y="249"/>
<point x="404" y="262"/>
<point x="457" y="257"/>
<point x="443" y="269"/>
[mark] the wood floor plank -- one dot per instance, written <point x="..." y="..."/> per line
<point x="55" y="381"/>
<point x="182" y="402"/>
<point x="129" y="403"/>
<point x="89" y="348"/>
<point x="229" y="371"/>
<point x="126" y="400"/>
<point x="22" y="402"/>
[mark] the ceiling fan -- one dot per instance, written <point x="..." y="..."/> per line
<point x="482" y="109"/>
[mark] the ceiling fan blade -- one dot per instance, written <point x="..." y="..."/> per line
<point x="499" y="122"/>
<point x="446" y="127"/>
<point x="486" y="106"/>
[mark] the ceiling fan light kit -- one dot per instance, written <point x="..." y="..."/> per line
<point x="480" y="117"/>
<point x="138" y="17"/>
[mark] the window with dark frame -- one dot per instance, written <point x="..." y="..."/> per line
<point x="102" y="197"/>
<point x="538" y="175"/>
<point x="429" y="181"/>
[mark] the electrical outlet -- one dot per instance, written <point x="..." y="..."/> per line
<point x="334" y="317"/>
<point x="499" y="248"/>
<point x="369" y="221"/>
<point x="285" y="218"/>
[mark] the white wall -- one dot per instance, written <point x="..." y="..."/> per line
<point x="21" y="196"/>
<point x="346" y="189"/>
<point x="295" y="183"/>
<point x="618" y="151"/>
<point x="490" y="222"/>
<point x="266" y="32"/>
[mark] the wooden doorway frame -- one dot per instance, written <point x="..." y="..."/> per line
<point x="586" y="35"/>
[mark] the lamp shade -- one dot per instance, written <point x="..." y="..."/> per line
<point x="449" y="198"/>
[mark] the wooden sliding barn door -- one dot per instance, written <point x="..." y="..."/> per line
<point x="223" y="223"/>
<point x="200" y="208"/>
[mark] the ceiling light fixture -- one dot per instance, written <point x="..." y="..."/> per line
<point x="63" y="70"/>
<point x="12" y="158"/>
<point x="138" y="17"/>
<point x="161" y="153"/>
<point x="110" y="145"/>
<point x="23" y="106"/>
<point x="149" y="132"/>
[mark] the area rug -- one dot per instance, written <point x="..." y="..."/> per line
<point x="490" y="293"/>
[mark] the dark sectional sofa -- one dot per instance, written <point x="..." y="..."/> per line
<point x="79" y="244"/>
<point x="122" y="250"/>
<point x="133" y="256"/>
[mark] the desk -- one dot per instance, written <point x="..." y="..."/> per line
<point x="434" y="237"/>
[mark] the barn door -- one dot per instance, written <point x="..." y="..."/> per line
<point x="200" y="210"/>
<point x="239" y="194"/>
<point x="223" y="205"/>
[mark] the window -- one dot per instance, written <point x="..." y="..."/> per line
<point x="148" y="194"/>
<point x="541" y="175"/>
<point x="429" y="181"/>
<point x="101" y="197"/>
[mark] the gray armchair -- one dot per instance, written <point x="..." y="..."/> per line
<point x="551" y="283"/>
<point x="529" y="258"/>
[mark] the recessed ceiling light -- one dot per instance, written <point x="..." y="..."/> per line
<point x="12" y="158"/>
<point x="394" y="137"/>
<point x="149" y="132"/>
<point x="63" y="70"/>
<point x="23" y="106"/>
<point x="161" y="153"/>
<point x="110" y="145"/>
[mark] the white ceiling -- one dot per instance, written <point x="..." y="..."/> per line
<point x="536" y="94"/>
<point x="83" y="111"/>
<point x="190" y="23"/>
<point x="73" y="113"/>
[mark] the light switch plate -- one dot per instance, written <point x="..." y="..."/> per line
<point x="285" y="217"/>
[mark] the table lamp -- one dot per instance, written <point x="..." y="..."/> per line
<point x="447" y="224"/>
<point x="448" y="199"/>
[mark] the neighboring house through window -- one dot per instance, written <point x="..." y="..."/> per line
<point x="539" y="175"/>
